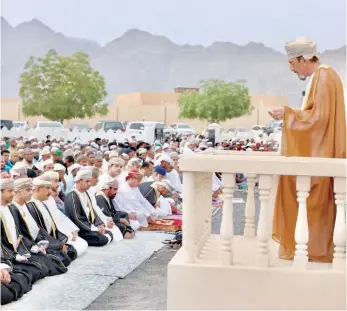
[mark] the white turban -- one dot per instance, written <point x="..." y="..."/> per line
<point x="51" y="175"/>
<point x="23" y="183"/>
<point x="47" y="162"/>
<point x="84" y="173"/>
<point x="111" y="183"/>
<point x="113" y="154"/>
<point x="116" y="161"/>
<point x="46" y="151"/>
<point x="19" y="168"/>
<point x="301" y="47"/>
<point x="58" y="167"/>
<point x="6" y="184"/>
<point x="41" y="181"/>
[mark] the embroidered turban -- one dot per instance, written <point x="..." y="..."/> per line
<point x="301" y="47"/>
<point x="23" y="183"/>
<point x="133" y="174"/>
<point x="42" y="181"/>
<point x="84" y="173"/>
<point x="6" y="184"/>
<point x="112" y="183"/>
<point x="51" y="175"/>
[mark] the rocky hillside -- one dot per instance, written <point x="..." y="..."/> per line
<point x="140" y="61"/>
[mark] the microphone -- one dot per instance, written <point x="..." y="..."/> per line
<point x="303" y="93"/>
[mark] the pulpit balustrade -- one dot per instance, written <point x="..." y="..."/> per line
<point x="216" y="263"/>
<point x="267" y="166"/>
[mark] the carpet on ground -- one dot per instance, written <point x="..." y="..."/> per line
<point x="90" y="275"/>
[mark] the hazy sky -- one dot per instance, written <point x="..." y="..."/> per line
<point x="271" y="22"/>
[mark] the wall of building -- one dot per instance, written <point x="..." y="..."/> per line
<point x="155" y="107"/>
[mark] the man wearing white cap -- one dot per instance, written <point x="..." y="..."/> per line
<point x="318" y="129"/>
<point x="79" y="208"/>
<point x="29" y="230"/>
<point x="44" y="219"/>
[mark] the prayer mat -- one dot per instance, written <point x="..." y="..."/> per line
<point x="166" y="225"/>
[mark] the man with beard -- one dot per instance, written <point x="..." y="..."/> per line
<point x="105" y="200"/>
<point x="48" y="228"/>
<point x="28" y="229"/>
<point x="79" y="208"/>
<point x="318" y="129"/>
<point x="28" y="160"/>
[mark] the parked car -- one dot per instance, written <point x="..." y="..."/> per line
<point x="273" y="127"/>
<point x="110" y="125"/>
<point x="46" y="125"/>
<point x="183" y="129"/>
<point x="6" y="123"/>
<point x="79" y="127"/>
<point x="137" y="127"/>
<point x="21" y="124"/>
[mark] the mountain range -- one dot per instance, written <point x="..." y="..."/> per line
<point x="139" y="61"/>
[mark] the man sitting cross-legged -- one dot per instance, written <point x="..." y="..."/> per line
<point x="40" y="212"/>
<point x="79" y="208"/>
<point x="104" y="199"/>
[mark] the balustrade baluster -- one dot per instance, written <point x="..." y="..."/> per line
<point x="189" y="215"/>
<point x="264" y="226"/>
<point x="339" y="261"/>
<point x="303" y="186"/>
<point x="227" y="225"/>
<point x="249" y="230"/>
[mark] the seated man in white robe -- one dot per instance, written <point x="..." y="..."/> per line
<point x="64" y="224"/>
<point x="79" y="208"/>
<point x="104" y="199"/>
<point x="115" y="167"/>
<point x="108" y="221"/>
<point x="130" y="200"/>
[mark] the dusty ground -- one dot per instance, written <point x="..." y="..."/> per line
<point x="143" y="289"/>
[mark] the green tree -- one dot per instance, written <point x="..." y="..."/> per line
<point x="62" y="88"/>
<point x="217" y="101"/>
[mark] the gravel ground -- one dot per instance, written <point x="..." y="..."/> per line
<point x="145" y="288"/>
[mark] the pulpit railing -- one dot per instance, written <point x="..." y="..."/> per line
<point x="266" y="167"/>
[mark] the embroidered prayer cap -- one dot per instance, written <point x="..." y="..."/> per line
<point x="73" y="167"/>
<point x="39" y="165"/>
<point x="23" y="183"/>
<point x="113" y="154"/>
<point x="301" y="47"/>
<point x="84" y="173"/>
<point x="47" y="162"/>
<point x="141" y="151"/>
<point x="41" y="181"/>
<point x="52" y="175"/>
<point x="58" y="167"/>
<point x="99" y="157"/>
<point x="58" y="153"/>
<point x="18" y="169"/>
<point x="164" y="157"/>
<point x="6" y="183"/>
<point x="116" y="161"/>
<point x="46" y="151"/>
<point x="111" y="183"/>
<point x="133" y="174"/>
